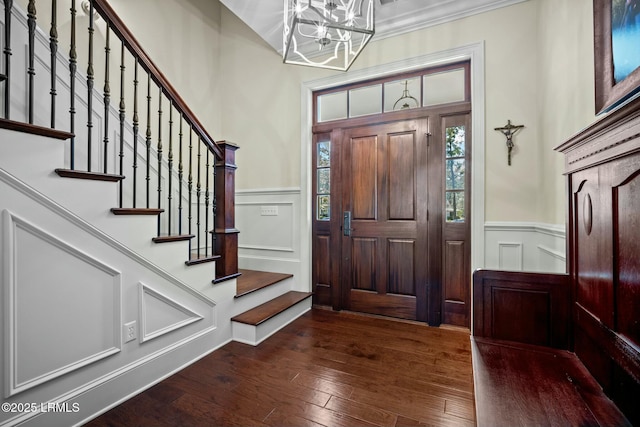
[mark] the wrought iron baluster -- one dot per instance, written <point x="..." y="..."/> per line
<point x="107" y="100"/>
<point x="90" y="80"/>
<point x="159" y="154"/>
<point x="180" y="173"/>
<point x="8" y="6"/>
<point x="198" y="191"/>
<point x="31" y="71"/>
<point x="121" y="110"/>
<point x="170" y="165"/>
<point x="214" y="205"/>
<point x="73" y="64"/>
<point x="53" y="47"/>
<point x="190" y="185"/>
<point x="136" y="126"/>
<point x="148" y="139"/>
<point x="206" y="206"/>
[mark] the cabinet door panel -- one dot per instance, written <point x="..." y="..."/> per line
<point x="593" y="244"/>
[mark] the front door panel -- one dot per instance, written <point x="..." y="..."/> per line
<point x="384" y="190"/>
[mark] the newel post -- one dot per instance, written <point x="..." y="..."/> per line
<point x="226" y="234"/>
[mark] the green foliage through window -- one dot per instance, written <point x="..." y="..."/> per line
<point x="455" y="173"/>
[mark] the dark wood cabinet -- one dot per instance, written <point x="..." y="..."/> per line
<point x="602" y="164"/>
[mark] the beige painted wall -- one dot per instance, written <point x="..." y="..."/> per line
<point x="182" y="38"/>
<point x="566" y="101"/>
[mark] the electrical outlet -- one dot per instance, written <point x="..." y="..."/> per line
<point x="268" y="211"/>
<point x="130" y="331"/>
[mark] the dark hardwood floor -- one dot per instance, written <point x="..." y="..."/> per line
<point x="325" y="369"/>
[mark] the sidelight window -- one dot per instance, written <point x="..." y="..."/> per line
<point x="323" y="180"/>
<point x="455" y="171"/>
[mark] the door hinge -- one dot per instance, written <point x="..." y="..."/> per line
<point x="427" y="214"/>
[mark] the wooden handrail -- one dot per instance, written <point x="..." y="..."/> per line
<point x="120" y="29"/>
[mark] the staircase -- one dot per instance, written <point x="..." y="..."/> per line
<point x="119" y="250"/>
<point x="282" y="306"/>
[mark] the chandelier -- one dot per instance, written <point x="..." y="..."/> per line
<point x="326" y="33"/>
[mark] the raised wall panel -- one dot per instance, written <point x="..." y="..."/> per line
<point x="510" y="256"/>
<point x="531" y="308"/>
<point x="258" y="230"/>
<point x="44" y="279"/>
<point x="529" y="305"/>
<point x="593" y="244"/>
<point x="455" y="274"/>
<point x="402" y="267"/>
<point x="364" y="173"/>
<point x="627" y="202"/>
<point x="323" y="259"/>
<point x="160" y="314"/>
<point x="363" y="256"/>
<point x="402" y="173"/>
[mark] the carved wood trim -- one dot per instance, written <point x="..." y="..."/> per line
<point x="615" y="135"/>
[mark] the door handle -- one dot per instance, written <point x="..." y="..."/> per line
<point x="346" y="223"/>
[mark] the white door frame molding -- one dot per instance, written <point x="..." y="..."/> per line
<point x="473" y="52"/>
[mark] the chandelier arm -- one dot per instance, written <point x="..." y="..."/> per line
<point x="336" y="26"/>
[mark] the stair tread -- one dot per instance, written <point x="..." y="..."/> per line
<point x="34" y="129"/>
<point x="252" y="280"/>
<point x="173" y="238"/>
<point x="136" y="211"/>
<point x="94" y="176"/>
<point x="266" y="311"/>
<point x="202" y="259"/>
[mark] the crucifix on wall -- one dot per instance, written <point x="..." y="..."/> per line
<point x="509" y="131"/>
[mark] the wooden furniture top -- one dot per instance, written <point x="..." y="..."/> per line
<point x="524" y="385"/>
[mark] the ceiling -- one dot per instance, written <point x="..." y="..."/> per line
<point x="393" y="17"/>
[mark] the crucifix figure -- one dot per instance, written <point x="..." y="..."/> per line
<point x="509" y="130"/>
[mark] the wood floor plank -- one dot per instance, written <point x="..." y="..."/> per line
<point x="214" y="415"/>
<point x="362" y="412"/>
<point x="324" y="369"/>
<point x="230" y="400"/>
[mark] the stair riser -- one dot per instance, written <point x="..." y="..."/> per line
<point x="33" y="159"/>
<point x="254" y="335"/>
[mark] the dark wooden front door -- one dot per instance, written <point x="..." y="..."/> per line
<point x="392" y="208"/>
<point x="384" y="180"/>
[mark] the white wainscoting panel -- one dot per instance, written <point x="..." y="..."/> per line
<point x="60" y="302"/>
<point x="524" y="246"/>
<point x="510" y="256"/>
<point x="67" y="290"/>
<point x="160" y="314"/>
<point x="270" y="242"/>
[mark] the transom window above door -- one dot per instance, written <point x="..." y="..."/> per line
<point x="419" y="89"/>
